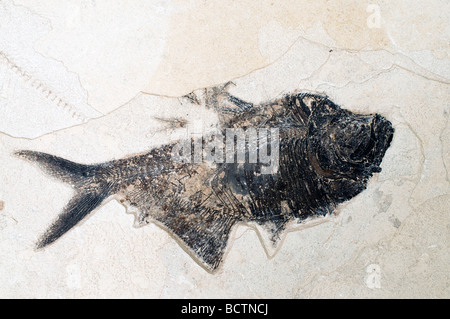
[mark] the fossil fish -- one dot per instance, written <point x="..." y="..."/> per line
<point x="326" y="157"/>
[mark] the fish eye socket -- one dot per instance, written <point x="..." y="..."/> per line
<point x="355" y="147"/>
<point x="360" y="149"/>
<point x="345" y="140"/>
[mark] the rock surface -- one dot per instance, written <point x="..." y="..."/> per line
<point x="387" y="58"/>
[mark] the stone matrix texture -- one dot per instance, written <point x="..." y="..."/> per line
<point x="93" y="82"/>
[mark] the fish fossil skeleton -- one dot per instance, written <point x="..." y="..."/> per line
<point x="326" y="156"/>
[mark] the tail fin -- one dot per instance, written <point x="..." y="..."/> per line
<point x="67" y="171"/>
<point x="91" y="191"/>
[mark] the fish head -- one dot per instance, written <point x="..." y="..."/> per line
<point x="346" y="147"/>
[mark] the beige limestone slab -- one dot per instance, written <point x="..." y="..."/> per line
<point x="391" y="241"/>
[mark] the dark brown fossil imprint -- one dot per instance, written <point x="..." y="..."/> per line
<point x="326" y="156"/>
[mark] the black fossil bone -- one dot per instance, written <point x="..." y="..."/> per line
<point x="326" y="156"/>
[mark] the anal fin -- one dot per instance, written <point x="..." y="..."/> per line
<point x="204" y="231"/>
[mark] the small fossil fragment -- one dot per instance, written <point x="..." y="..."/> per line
<point x="326" y="156"/>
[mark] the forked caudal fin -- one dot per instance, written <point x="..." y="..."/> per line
<point x="91" y="191"/>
